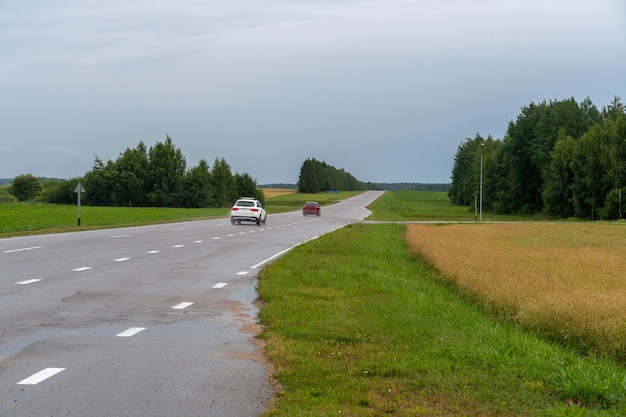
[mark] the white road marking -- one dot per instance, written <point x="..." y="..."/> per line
<point x="121" y="259"/>
<point x="153" y="251"/>
<point x="116" y="236"/>
<point x="182" y="305"/>
<point x="220" y="285"/>
<point x="230" y="235"/>
<point x="216" y="238"/>
<point x="22" y="249"/>
<point x="178" y="246"/>
<point x="131" y="332"/>
<point x="40" y="376"/>
<point x="177" y="230"/>
<point x="28" y="281"/>
<point x="81" y="269"/>
<point x="242" y="273"/>
<point x="198" y="241"/>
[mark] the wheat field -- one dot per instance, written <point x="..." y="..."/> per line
<point x="564" y="281"/>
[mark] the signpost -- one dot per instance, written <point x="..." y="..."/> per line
<point x="78" y="190"/>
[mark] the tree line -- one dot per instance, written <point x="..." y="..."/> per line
<point x="147" y="177"/>
<point x="316" y="176"/>
<point x="563" y="158"/>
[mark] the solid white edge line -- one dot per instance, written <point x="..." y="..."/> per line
<point x="282" y="252"/>
<point x="40" y="376"/>
<point x="22" y="249"/>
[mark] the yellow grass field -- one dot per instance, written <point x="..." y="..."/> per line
<point x="565" y="281"/>
<point x="275" y="192"/>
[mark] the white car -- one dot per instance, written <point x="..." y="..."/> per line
<point x="247" y="209"/>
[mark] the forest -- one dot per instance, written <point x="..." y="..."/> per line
<point x="560" y="157"/>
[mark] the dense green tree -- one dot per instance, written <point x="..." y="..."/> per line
<point x="25" y="187"/>
<point x="527" y="149"/>
<point x="246" y="186"/>
<point x="129" y="177"/>
<point x="97" y="184"/>
<point x="316" y="176"/>
<point x="223" y="191"/>
<point x="310" y="177"/>
<point x="558" y="193"/>
<point x="166" y="169"/>
<point x="196" y="186"/>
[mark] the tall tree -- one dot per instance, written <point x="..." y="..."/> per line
<point x="166" y="169"/>
<point x="196" y="186"/>
<point x="246" y="186"/>
<point x="223" y="191"/>
<point x="558" y="193"/>
<point x="309" y="178"/>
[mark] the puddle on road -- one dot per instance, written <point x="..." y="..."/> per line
<point x="247" y="296"/>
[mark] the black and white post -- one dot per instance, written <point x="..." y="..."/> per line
<point x="79" y="190"/>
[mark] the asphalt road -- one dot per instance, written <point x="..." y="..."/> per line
<point x="143" y="321"/>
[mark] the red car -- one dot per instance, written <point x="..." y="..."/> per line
<point x="311" y="207"/>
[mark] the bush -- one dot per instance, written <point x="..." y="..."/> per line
<point x="6" y="197"/>
<point x="25" y="187"/>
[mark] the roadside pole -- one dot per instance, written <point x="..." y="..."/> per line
<point x="79" y="190"/>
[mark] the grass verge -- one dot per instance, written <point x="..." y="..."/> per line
<point x="429" y="205"/>
<point x="357" y="326"/>
<point x="20" y="219"/>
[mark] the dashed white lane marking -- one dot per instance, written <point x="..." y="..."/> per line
<point x="153" y="251"/>
<point x="220" y="285"/>
<point x="242" y="272"/>
<point x="131" y="332"/>
<point x="216" y="238"/>
<point x="28" y="281"/>
<point x="21" y="249"/>
<point x="177" y="230"/>
<point x="40" y="376"/>
<point x="83" y="268"/>
<point x="121" y="259"/>
<point x="178" y="246"/>
<point x="182" y="305"/>
<point x="198" y="241"/>
<point x="230" y="235"/>
<point x="116" y="236"/>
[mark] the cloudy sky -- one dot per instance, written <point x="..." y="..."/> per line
<point x="386" y="89"/>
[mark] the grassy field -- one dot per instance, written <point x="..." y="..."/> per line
<point x="356" y="324"/>
<point x="564" y="281"/>
<point x="428" y="205"/>
<point x="20" y="219"/>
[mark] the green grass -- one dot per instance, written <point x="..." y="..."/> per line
<point x="356" y="326"/>
<point x="16" y="219"/>
<point x="428" y="205"/>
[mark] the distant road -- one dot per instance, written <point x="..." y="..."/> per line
<point x="144" y="321"/>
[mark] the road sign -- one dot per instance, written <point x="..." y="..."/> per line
<point x="79" y="190"/>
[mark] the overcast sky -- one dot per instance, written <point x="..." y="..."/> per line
<point x="386" y="89"/>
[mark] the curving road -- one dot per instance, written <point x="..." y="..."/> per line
<point x="143" y="321"/>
